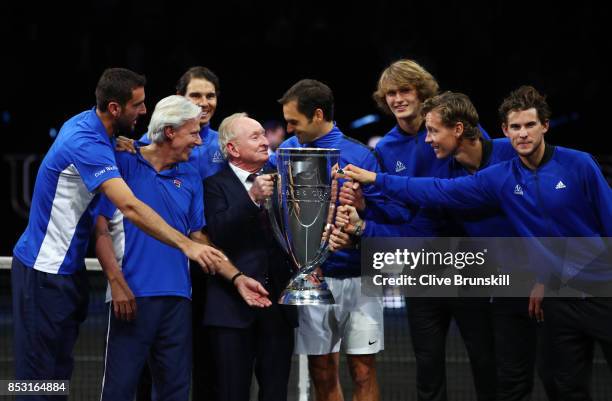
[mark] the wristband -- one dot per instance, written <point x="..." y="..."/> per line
<point x="235" y="276"/>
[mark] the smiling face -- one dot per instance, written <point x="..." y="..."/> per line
<point x="203" y="93"/>
<point x="403" y="102"/>
<point x="443" y="139"/>
<point x="306" y="130"/>
<point x="525" y="131"/>
<point x="249" y="147"/>
<point x="183" y="139"/>
<point x="127" y="116"/>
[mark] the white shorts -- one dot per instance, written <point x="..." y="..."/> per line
<point x="354" y="323"/>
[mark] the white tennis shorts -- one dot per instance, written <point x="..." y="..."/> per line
<point x="354" y="324"/>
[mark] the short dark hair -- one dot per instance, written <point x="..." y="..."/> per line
<point x="116" y="85"/>
<point x="200" y="73"/>
<point x="310" y="95"/>
<point x="454" y="108"/>
<point x="524" y="98"/>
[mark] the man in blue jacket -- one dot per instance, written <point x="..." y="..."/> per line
<point x="545" y="191"/>
<point x="454" y="135"/>
<point x="451" y="122"/>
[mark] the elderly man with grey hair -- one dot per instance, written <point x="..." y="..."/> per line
<point x="151" y="277"/>
<point x="241" y="340"/>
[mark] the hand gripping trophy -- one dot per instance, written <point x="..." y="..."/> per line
<point x="302" y="211"/>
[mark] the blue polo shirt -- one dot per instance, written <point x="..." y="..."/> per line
<point x="207" y="158"/>
<point x="150" y="267"/>
<point x="61" y="215"/>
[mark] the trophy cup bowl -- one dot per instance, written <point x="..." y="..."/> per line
<point x="302" y="213"/>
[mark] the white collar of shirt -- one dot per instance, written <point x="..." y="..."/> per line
<point x="242" y="176"/>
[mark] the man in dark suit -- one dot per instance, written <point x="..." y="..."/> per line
<point x="242" y="338"/>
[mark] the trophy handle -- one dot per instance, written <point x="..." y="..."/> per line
<point x="273" y="211"/>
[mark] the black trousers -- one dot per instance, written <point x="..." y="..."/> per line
<point x="429" y="320"/>
<point x="519" y="345"/>
<point x="265" y="348"/>
<point x="573" y="325"/>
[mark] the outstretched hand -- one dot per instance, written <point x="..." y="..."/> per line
<point x="253" y="293"/>
<point x="356" y="174"/>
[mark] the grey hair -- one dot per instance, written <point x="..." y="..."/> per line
<point x="172" y="111"/>
<point x="227" y="131"/>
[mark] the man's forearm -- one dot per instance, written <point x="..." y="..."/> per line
<point x="105" y="252"/>
<point x="227" y="270"/>
<point x="201" y="237"/>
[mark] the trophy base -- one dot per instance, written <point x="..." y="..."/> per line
<point x="302" y="290"/>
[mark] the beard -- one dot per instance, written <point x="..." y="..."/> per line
<point x="124" y="126"/>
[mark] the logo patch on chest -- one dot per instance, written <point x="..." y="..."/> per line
<point x="218" y="157"/>
<point x="518" y="190"/>
<point x="399" y="166"/>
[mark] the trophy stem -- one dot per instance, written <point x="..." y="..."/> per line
<point x="305" y="288"/>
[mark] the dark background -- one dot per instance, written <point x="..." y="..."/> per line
<point x="53" y="54"/>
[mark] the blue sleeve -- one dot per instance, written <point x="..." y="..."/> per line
<point x="378" y="206"/>
<point x="95" y="160"/>
<point x="468" y="192"/>
<point x="423" y="224"/>
<point x="196" y="211"/>
<point x="376" y="229"/>
<point x="105" y="207"/>
<point x="600" y="195"/>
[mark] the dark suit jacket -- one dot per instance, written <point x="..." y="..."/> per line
<point x="234" y="224"/>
